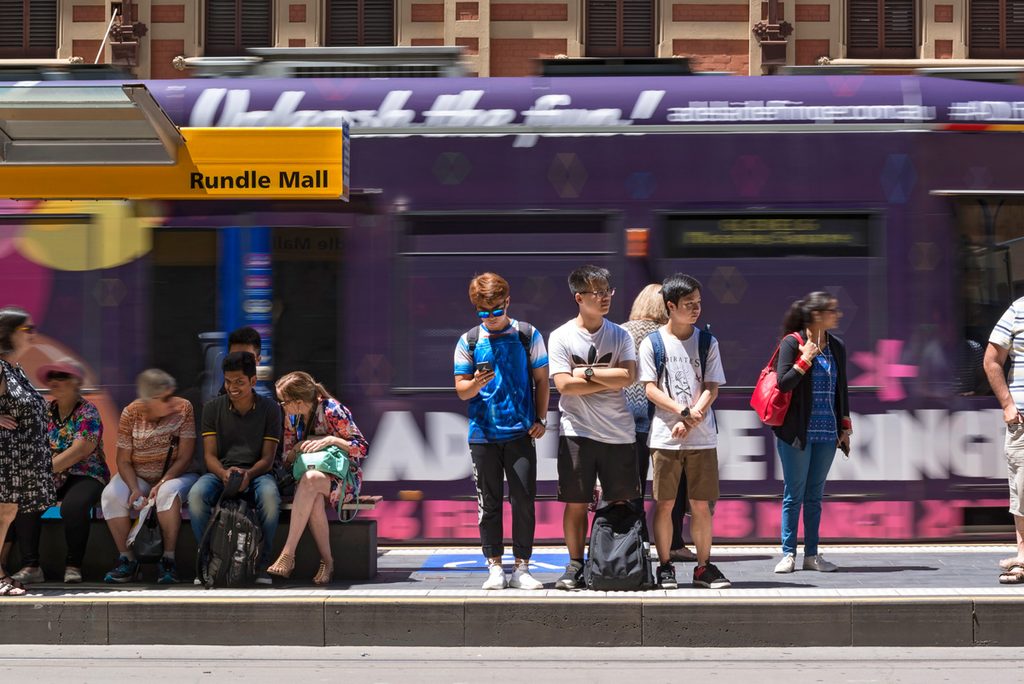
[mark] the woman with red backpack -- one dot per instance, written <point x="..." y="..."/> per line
<point x="811" y="366"/>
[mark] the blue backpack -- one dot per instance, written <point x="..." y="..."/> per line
<point x="704" y="338"/>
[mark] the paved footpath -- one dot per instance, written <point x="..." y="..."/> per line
<point x="935" y="595"/>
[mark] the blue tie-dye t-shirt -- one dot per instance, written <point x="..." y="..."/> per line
<point x="504" y="408"/>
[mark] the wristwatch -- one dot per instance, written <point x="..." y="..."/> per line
<point x="542" y="421"/>
<point x="685" y="413"/>
<point x="588" y="374"/>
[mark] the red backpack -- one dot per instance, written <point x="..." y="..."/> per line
<point x="771" y="403"/>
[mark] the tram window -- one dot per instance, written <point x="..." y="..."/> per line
<point x="731" y="236"/>
<point x="183" y="302"/>
<point x="752" y="265"/>
<point x="440" y="254"/>
<point x="992" y="276"/>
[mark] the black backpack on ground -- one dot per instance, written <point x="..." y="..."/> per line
<point x="230" y="549"/>
<point x="619" y="558"/>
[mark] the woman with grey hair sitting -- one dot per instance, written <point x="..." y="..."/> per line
<point x="155" y="425"/>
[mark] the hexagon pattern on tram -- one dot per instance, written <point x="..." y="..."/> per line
<point x="846" y="304"/>
<point x="109" y="291"/>
<point x="750" y="175"/>
<point x="924" y="256"/>
<point x="898" y="178"/>
<point x="727" y="284"/>
<point x="451" y="168"/>
<point x="375" y="373"/>
<point x="567" y="174"/>
<point x="978" y="178"/>
<point x="641" y="185"/>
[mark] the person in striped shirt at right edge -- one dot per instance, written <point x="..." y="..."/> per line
<point x="1005" y="343"/>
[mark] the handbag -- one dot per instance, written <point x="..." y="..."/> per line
<point x="333" y="461"/>
<point x="145" y="538"/>
<point x="769" y="402"/>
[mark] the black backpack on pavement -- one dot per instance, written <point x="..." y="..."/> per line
<point x="230" y="549"/>
<point x="619" y="558"/>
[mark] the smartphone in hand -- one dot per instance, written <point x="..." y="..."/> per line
<point x="484" y="367"/>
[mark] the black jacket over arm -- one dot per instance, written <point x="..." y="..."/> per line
<point x="793" y="430"/>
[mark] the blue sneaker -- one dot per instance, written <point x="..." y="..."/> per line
<point x="167" y="571"/>
<point x="125" y="571"/>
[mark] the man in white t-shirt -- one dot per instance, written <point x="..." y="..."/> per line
<point x="591" y="360"/>
<point x="684" y="436"/>
<point x="1007" y="343"/>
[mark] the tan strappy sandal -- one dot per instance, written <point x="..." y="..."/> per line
<point x="324" y="574"/>
<point x="283" y="566"/>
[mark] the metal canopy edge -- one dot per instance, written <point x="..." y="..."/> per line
<point x="44" y="125"/>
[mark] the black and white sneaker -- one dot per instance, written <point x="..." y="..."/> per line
<point x="710" y="577"/>
<point x="667" y="576"/>
<point x="573" y="577"/>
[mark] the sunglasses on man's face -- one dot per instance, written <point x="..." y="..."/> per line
<point x="56" y="375"/>
<point x="492" y="313"/>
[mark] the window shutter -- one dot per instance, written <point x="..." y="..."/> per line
<point x="863" y="23"/>
<point x="378" y="22"/>
<point x="221" y="27"/>
<point x="996" y="29"/>
<point x="42" y="26"/>
<point x="255" y="24"/>
<point x="899" y="28"/>
<point x="602" y="34"/>
<point x="881" y="29"/>
<point x="234" y="25"/>
<point x="637" y="28"/>
<point x="984" y="27"/>
<point x="342" y="22"/>
<point x="1014" y="28"/>
<point x="12" y="37"/>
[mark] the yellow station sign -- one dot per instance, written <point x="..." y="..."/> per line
<point x="211" y="163"/>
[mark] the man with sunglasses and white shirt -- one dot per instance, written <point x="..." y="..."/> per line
<point x="501" y="369"/>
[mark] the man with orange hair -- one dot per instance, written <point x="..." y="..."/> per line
<point x="501" y="369"/>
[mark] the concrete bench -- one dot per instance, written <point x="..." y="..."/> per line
<point x="354" y="545"/>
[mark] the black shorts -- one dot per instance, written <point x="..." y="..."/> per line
<point x="581" y="461"/>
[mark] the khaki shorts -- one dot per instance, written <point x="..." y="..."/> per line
<point x="1015" y="466"/>
<point x="700" y="465"/>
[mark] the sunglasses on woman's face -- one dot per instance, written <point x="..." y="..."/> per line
<point x="56" y="375"/>
<point x="26" y="328"/>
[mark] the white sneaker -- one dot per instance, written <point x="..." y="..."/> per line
<point x="522" y="579"/>
<point x="787" y="564"/>
<point x="495" y="577"/>
<point x="819" y="563"/>
<point x="72" y="575"/>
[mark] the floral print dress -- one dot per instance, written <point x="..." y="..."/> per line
<point x="335" y="420"/>
<point x="26" y="464"/>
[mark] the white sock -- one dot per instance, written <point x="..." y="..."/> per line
<point x="169" y="555"/>
<point x="129" y="554"/>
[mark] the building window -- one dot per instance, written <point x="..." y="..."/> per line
<point x="28" y="29"/>
<point x="881" y="29"/>
<point x="234" y="25"/>
<point x="620" y="28"/>
<point x="360" y="22"/>
<point x="996" y="29"/>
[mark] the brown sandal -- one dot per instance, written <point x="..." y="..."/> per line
<point x="324" y="574"/>
<point x="283" y="566"/>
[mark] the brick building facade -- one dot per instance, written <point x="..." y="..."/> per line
<point x="503" y="38"/>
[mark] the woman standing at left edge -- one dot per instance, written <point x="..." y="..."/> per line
<point x="26" y="469"/>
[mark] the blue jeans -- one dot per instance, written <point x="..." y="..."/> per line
<point x="262" y="493"/>
<point x="804" y="472"/>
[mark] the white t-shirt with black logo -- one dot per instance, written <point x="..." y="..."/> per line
<point x="601" y="416"/>
<point x="682" y="381"/>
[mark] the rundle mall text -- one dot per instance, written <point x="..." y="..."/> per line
<point x="252" y="179"/>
